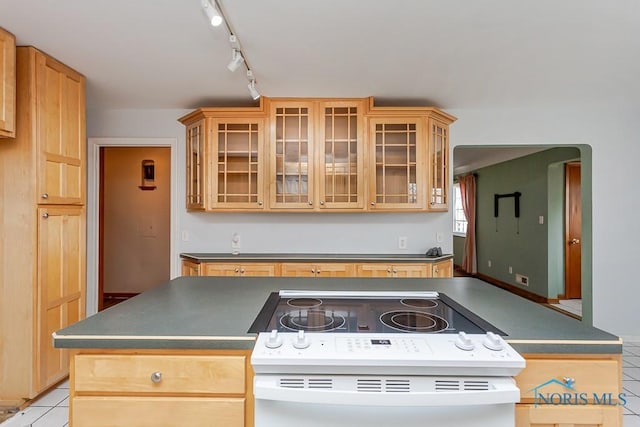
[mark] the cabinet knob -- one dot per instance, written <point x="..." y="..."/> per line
<point x="395" y="271"/>
<point x="310" y="203"/>
<point x="388" y="270"/>
<point x="318" y="272"/>
<point x="322" y="203"/>
<point x="237" y="270"/>
<point x="373" y="203"/>
<point x="259" y="203"/>
<point x="313" y="270"/>
<point x="45" y="196"/>
<point x="156" y="377"/>
<point x="242" y="271"/>
<point x="45" y="215"/>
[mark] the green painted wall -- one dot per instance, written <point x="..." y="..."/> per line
<point x="458" y="249"/>
<point x="518" y="243"/>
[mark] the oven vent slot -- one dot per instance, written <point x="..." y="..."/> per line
<point x="476" y="385"/>
<point x="386" y="385"/>
<point x="320" y="383"/>
<point x="456" y="385"/>
<point x="292" y="382"/>
<point x="316" y="383"/>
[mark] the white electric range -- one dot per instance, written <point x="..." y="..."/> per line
<point x="377" y="358"/>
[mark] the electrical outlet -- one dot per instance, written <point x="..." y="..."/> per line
<point x="510" y="270"/>
<point x="523" y="280"/>
<point x="402" y="242"/>
<point x="439" y="237"/>
<point x="489" y="263"/>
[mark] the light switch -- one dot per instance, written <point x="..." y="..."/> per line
<point x="541" y="219"/>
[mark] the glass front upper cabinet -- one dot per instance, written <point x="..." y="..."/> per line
<point x="397" y="153"/>
<point x="238" y="168"/>
<point x="195" y="165"/>
<point x="439" y="165"/>
<point x="341" y="156"/>
<point x="292" y="151"/>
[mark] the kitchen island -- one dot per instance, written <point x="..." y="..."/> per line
<point x="138" y="360"/>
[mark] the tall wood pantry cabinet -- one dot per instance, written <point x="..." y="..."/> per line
<point x="7" y="84"/>
<point x="42" y="214"/>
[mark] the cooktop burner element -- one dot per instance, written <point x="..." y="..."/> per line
<point x="419" y="302"/>
<point x="370" y="312"/>
<point x="312" y="321"/>
<point x="414" y="321"/>
<point x="304" y="302"/>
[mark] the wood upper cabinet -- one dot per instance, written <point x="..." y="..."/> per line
<point x="317" y="154"/>
<point x="60" y="133"/>
<point x="397" y="152"/>
<point x="7" y="84"/>
<point x="438" y="168"/>
<point x="225" y="160"/>
<point x="195" y="142"/>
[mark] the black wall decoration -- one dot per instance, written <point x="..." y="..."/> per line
<point x="496" y="207"/>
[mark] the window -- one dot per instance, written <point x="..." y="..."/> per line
<point x="459" y="220"/>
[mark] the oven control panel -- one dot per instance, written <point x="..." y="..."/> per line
<point x="424" y="352"/>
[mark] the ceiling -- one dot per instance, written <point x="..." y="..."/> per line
<point x="449" y="54"/>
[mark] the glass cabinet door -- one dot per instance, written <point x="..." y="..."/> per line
<point x="341" y="153"/>
<point x="238" y="171"/>
<point x="292" y="155"/>
<point x="439" y="165"/>
<point x="195" y="165"/>
<point x="397" y="151"/>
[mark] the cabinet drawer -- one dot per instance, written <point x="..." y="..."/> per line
<point x="568" y="416"/>
<point x="178" y="374"/>
<point x="591" y="376"/>
<point x="94" y="411"/>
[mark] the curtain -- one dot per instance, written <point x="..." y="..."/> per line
<point x="468" y="193"/>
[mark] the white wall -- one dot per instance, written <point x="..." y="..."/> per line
<point x="612" y="135"/>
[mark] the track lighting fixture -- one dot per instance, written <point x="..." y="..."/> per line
<point x="252" y="85"/>
<point x="212" y="13"/>
<point x="236" y="60"/>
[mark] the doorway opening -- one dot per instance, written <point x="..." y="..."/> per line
<point x="145" y="177"/>
<point x="134" y="221"/>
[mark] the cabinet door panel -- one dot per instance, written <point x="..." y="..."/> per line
<point x="7" y="84"/>
<point x="397" y="162"/>
<point x="298" y="269"/>
<point x="237" y="154"/>
<point x="410" y="270"/>
<point x="61" y="283"/>
<point x="257" y="269"/>
<point x="374" y="270"/>
<point x="292" y="155"/>
<point x="340" y="155"/>
<point x="135" y="411"/>
<point x="215" y="269"/>
<point x="60" y="132"/>
<point x="335" y="270"/>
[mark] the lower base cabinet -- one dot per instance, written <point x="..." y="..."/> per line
<point x="141" y="411"/>
<point x="145" y="388"/>
<point x="568" y="416"/>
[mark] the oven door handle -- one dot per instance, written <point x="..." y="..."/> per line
<point x="501" y="392"/>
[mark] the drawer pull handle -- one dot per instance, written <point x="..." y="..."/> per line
<point x="156" y="377"/>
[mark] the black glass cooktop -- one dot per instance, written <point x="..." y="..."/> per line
<point x="375" y="315"/>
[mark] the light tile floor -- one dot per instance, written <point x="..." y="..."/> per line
<point x="52" y="409"/>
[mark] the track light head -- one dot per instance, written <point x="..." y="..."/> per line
<point x="252" y="90"/>
<point x="212" y="13"/>
<point x="236" y="60"/>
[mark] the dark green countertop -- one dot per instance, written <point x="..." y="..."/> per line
<point x="216" y="312"/>
<point x="283" y="257"/>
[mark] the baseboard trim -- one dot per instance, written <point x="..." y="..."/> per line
<point x="516" y="290"/>
<point x="119" y="295"/>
